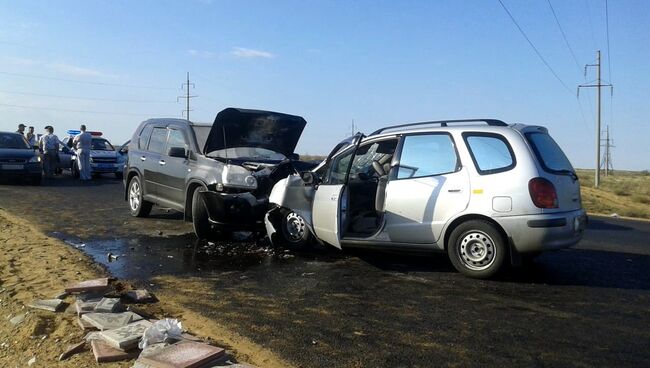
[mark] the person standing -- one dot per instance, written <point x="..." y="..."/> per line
<point x="49" y="144"/>
<point x="21" y="129"/>
<point x="31" y="137"/>
<point x="83" y="144"/>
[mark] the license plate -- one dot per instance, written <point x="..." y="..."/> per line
<point x="12" y="167"/>
<point x="104" y="166"/>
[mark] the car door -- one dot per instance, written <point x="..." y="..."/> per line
<point x="427" y="187"/>
<point x="329" y="206"/>
<point x="150" y="160"/>
<point x="173" y="170"/>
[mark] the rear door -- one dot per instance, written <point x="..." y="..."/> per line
<point x="151" y="159"/>
<point x="427" y="187"/>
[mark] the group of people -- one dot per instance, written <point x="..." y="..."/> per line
<point x="49" y="145"/>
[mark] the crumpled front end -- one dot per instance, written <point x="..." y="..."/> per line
<point x="242" y="211"/>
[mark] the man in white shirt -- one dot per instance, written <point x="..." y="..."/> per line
<point x="83" y="143"/>
<point x="49" y="144"/>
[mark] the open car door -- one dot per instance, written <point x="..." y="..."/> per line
<point x="330" y="198"/>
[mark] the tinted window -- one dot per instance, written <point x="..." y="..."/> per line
<point x="158" y="138"/>
<point x="426" y="155"/>
<point x="176" y="139"/>
<point x="101" y="145"/>
<point x="338" y="169"/>
<point x="143" y="141"/>
<point x="15" y="141"/>
<point x="490" y="152"/>
<point x="548" y="152"/>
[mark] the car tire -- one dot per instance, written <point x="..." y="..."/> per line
<point x="138" y="206"/>
<point x="477" y="249"/>
<point x="200" y="220"/>
<point x="294" y="230"/>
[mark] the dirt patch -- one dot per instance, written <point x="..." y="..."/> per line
<point x="34" y="266"/>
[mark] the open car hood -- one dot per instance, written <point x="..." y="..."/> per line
<point x="255" y="128"/>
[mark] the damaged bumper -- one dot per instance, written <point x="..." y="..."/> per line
<point x="235" y="210"/>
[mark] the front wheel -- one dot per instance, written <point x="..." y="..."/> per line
<point x="138" y="206"/>
<point x="200" y="218"/>
<point x="477" y="249"/>
<point x="295" y="232"/>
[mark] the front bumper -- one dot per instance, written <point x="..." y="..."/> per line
<point x="236" y="211"/>
<point x="18" y="170"/>
<point x="107" y="167"/>
<point x="537" y="233"/>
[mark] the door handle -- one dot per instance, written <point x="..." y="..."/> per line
<point x="454" y="190"/>
<point x="334" y="197"/>
<point x="143" y="158"/>
<point x="161" y="162"/>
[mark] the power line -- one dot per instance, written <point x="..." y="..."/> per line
<point x="84" y="82"/>
<point x="79" y="111"/>
<point x="83" y="98"/>
<point x="566" y="41"/>
<point x="535" y="48"/>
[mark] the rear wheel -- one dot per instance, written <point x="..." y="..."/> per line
<point x="477" y="249"/>
<point x="295" y="232"/>
<point x="138" y="206"/>
<point x="200" y="219"/>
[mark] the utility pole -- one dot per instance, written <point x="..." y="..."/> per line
<point x="186" y="87"/>
<point x="598" y="85"/>
<point x="607" y="156"/>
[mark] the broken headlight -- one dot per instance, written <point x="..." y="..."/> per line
<point x="237" y="177"/>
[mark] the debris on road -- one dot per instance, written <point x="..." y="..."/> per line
<point x="15" y="321"/>
<point x="72" y="350"/>
<point x="109" y="321"/>
<point x="51" y="305"/>
<point x="140" y="295"/>
<point x="162" y="331"/>
<point x="108" y="305"/>
<point x="189" y="354"/>
<point x="105" y="353"/>
<point x="126" y="337"/>
<point x="98" y="285"/>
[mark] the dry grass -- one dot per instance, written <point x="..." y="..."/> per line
<point x="626" y="193"/>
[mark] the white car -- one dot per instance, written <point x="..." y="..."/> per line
<point x="485" y="192"/>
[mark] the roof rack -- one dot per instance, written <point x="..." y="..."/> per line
<point x="492" y="122"/>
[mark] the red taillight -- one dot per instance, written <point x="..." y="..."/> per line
<point x="543" y="193"/>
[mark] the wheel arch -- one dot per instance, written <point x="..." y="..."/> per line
<point x="189" y="192"/>
<point x="474" y="216"/>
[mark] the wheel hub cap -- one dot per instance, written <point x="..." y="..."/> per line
<point x="477" y="250"/>
<point x="295" y="226"/>
<point x="134" y="196"/>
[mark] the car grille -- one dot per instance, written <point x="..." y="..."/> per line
<point x="104" y="160"/>
<point x="12" y="160"/>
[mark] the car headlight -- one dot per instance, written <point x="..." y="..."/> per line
<point x="238" y="177"/>
<point x="35" y="159"/>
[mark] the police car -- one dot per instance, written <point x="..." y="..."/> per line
<point x="104" y="158"/>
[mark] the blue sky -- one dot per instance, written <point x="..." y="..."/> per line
<point x="377" y="62"/>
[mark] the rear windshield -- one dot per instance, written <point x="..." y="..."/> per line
<point x="13" y="141"/>
<point x="548" y="153"/>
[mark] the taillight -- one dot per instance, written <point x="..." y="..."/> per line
<point x="543" y="193"/>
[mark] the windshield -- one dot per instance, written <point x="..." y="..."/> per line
<point x="548" y="153"/>
<point x="13" y="141"/>
<point x="100" y="144"/>
<point x="248" y="153"/>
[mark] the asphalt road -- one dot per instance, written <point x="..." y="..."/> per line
<point x="585" y="306"/>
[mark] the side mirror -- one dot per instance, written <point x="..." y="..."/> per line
<point x="309" y="178"/>
<point x="177" y="152"/>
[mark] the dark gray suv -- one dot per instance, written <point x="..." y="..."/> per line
<point x="218" y="175"/>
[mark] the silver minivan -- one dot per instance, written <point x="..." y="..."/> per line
<point x="487" y="193"/>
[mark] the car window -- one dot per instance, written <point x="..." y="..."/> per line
<point x="98" y="144"/>
<point x="491" y="152"/>
<point x="381" y="152"/>
<point x="143" y="141"/>
<point x="176" y="138"/>
<point x="338" y="169"/>
<point x="158" y="139"/>
<point x="427" y="155"/>
<point x="13" y="141"/>
<point x="548" y="152"/>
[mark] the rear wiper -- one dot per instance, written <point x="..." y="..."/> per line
<point x="571" y="173"/>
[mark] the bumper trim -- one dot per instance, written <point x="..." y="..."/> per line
<point x="556" y="222"/>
